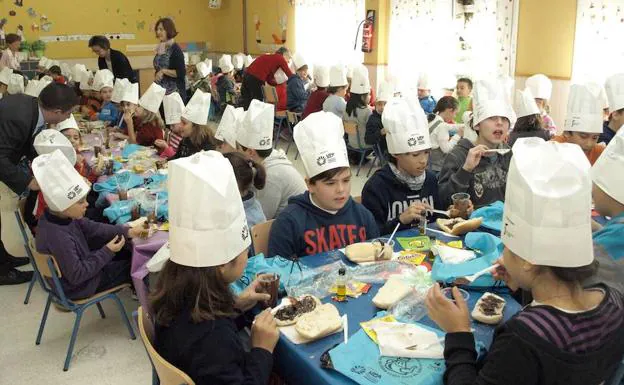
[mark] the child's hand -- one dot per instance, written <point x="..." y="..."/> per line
<point x="501" y="274"/>
<point x="160" y="144"/>
<point x="450" y="316"/>
<point x="264" y="332"/>
<point x="474" y="157"/>
<point x="127" y="116"/>
<point x="116" y="243"/>
<point x="135" y="232"/>
<point x="415" y="211"/>
<point x="159" y="75"/>
<point x="384" y="131"/>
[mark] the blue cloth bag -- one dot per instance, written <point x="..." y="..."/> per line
<point x="260" y="264"/>
<point x="119" y="212"/>
<point x="360" y="361"/>
<point x="155" y="181"/>
<point x="130" y="149"/>
<point x="488" y="248"/>
<point x="492" y="216"/>
<point x="126" y="180"/>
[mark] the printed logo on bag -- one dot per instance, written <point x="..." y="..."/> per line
<point x="357" y="369"/>
<point x="74" y="191"/>
<point x="245" y="232"/>
<point x="266" y="141"/>
<point x="373" y="376"/>
<point x="437" y="366"/>
<point x="400" y="367"/>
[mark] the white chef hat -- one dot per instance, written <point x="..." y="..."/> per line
<point x="423" y="82"/>
<point x="540" y="86"/>
<point x="32" y="88"/>
<point x="547" y="215"/>
<point x="607" y="171"/>
<point x="228" y="126"/>
<point x="225" y="63"/>
<point x="102" y="79"/>
<point x="299" y="60"/>
<point x="408" y="129"/>
<point x="319" y="138"/>
<point x="152" y="98"/>
<point x="43" y="83"/>
<point x="186" y="58"/>
<point x="337" y="76"/>
<point x="5" y="75"/>
<point x="43" y="62"/>
<point x="194" y="59"/>
<point x="119" y="89"/>
<point x="203" y="70"/>
<point x="598" y="89"/>
<point x="53" y="63"/>
<point x="208" y="63"/>
<point x="66" y="70"/>
<point x="360" y="84"/>
<point x="491" y="99"/>
<point x="85" y="78"/>
<point x="205" y="211"/>
<point x="131" y="94"/>
<point x="77" y="71"/>
<point x="248" y="60"/>
<point x="62" y="186"/>
<point x="614" y="86"/>
<point x="256" y="130"/>
<point x="48" y="141"/>
<point x="584" y="112"/>
<point x="321" y="75"/>
<point x="385" y="92"/>
<point x="67" y="124"/>
<point x="525" y="104"/>
<point x="280" y="76"/>
<point x="16" y="84"/>
<point x="173" y="106"/>
<point x="238" y="61"/>
<point x="197" y="109"/>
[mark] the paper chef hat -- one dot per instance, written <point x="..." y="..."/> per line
<point x="203" y="70"/>
<point x="584" y="112"/>
<point x="239" y="61"/>
<point x="319" y="138"/>
<point x="48" y="141"/>
<point x="16" y="84"/>
<point x="208" y="226"/>
<point x="540" y="86"/>
<point x="547" y="215"/>
<point x="196" y="110"/>
<point x="337" y="76"/>
<point x="360" y="84"/>
<point x="491" y="99"/>
<point x="118" y="89"/>
<point x="102" y="79"/>
<point x="385" y="92"/>
<point x="43" y="62"/>
<point x="61" y="185"/>
<point x="152" y="98"/>
<point x="299" y="60"/>
<point x="5" y="75"/>
<point x="173" y="106"/>
<point x="85" y="78"/>
<point x="423" y="82"/>
<point x="321" y="75"/>
<point x="525" y="104"/>
<point x="598" y="89"/>
<point x="228" y="126"/>
<point x="77" y="71"/>
<point x="248" y="60"/>
<point x="614" y="87"/>
<point x="67" y="124"/>
<point x="408" y="130"/>
<point x="131" y="94"/>
<point x="32" y="88"/>
<point x="256" y="130"/>
<point x="225" y="63"/>
<point x="607" y="171"/>
<point x="66" y="70"/>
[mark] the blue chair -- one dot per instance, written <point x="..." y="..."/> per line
<point x="361" y="148"/>
<point x="26" y="239"/>
<point x="48" y="268"/>
<point x="380" y="157"/>
<point x="618" y="377"/>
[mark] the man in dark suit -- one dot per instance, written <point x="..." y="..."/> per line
<point x="22" y="117"/>
<point x="111" y="59"/>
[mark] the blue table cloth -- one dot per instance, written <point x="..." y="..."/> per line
<point x="300" y="364"/>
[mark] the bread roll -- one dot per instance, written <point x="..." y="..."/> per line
<point x="392" y="292"/>
<point x="321" y="322"/>
<point x="489" y="309"/>
<point x="367" y="251"/>
<point x="290" y="314"/>
<point x="459" y="226"/>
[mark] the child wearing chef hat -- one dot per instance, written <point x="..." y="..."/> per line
<point x="375" y="133"/>
<point x="142" y="116"/>
<point x="335" y="102"/>
<point x="608" y="195"/>
<point x="427" y="102"/>
<point x="474" y="168"/>
<point x="614" y="87"/>
<point x="16" y="84"/>
<point x="358" y="110"/>
<point x="569" y="332"/>
<point x="296" y="93"/>
<point x="251" y="178"/>
<point x="207" y="251"/>
<point x="254" y="138"/>
<point x="444" y="133"/>
<point x="583" y="124"/>
<point x="196" y="135"/>
<point x="5" y="78"/>
<point x="402" y="190"/>
<point x="84" y="249"/>
<point x="318" y="96"/>
<point x="325" y="217"/>
<point x="70" y="130"/>
<point x="541" y="88"/>
<point x="225" y="84"/>
<point x="530" y="121"/>
<point x="227" y="131"/>
<point x="174" y="107"/>
<point x="103" y="81"/>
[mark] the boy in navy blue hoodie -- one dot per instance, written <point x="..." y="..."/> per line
<point x="325" y="217"/>
<point x="297" y="95"/>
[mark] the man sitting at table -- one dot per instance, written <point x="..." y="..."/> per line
<point x="608" y="194"/>
<point x="85" y="250"/>
<point x="325" y="217"/>
<point x="569" y="334"/>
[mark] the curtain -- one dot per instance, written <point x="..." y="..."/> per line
<point x="598" y="48"/>
<point x="325" y="30"/>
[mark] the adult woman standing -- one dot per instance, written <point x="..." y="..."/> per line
<point x="169" y="59"/>
<point x="111" y="59"/>
<point x="262" y="70"/>
<point x="9" y="55"/>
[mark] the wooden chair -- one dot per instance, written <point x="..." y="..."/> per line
<point x="293" y="119"/>
<point x="48" y="268"/>
<point x="270" y="96"/>
<point x="167" y="373"/>
<point x="358" y="199"/>
<point x="260" y="237"/>
<point x="27" y="236"/>
<point x="351" y="127"/>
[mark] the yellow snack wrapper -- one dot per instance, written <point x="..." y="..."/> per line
<point x="354" y="289"/>
<point x="456" y="244"/>
<point x="367" y="326"/>
<point x="412" y="257"/>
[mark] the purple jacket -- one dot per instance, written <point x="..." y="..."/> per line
<point x="79" y="247"/>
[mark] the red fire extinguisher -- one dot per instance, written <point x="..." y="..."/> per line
<point x="368" y="31"/>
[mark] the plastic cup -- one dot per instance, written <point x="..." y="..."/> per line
<point x="461" y="202"/>
<point x="448" y="293"/>
<point x="269" y="283"/>
<point x="123" y="194"/>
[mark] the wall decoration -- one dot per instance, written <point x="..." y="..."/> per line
<point x="12" y="13"/>
<point x="47" y="27"/>
<point x="31" y="12"/>
<point x="140" y="25"/>
<point x="283" y="24"/>
<point x="20" y="32"/>
<point x="34" y="27"/>
<point x="19" y="3"/>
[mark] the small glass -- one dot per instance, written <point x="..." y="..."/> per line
<point x="461" y="203"/>
<point x="384" y="242"/>
<point x="448" y="293"/>
<point x="269" y="283"/>
<point x="123" y="194"/>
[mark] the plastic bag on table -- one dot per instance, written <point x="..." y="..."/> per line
<point x="316" y="282"/>
<point x="156" y="182"/>
<point x="119" y="212"/>
<point x="411" y="308"/>
<point x="379" y="272"/>
<point x="260" y="264"/>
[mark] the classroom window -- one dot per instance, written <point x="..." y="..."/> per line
<point x="325" y="30"/>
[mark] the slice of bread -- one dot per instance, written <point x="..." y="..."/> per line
<point x="489" y="309"/>
<point x="323" y="321"/>
<point x="459" y="226"/>
<point x="392" y="292"/>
